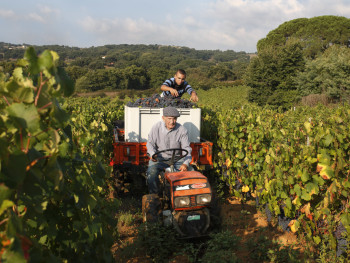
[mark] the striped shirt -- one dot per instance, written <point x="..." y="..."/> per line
<point x="181" y="89"/>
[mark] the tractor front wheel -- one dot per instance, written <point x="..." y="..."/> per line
<point x="151" y="208"/>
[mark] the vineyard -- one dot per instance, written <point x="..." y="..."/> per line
<point x="296" y="165"/>
<point x="55" y="151"/>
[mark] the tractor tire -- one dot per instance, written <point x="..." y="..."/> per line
<point x="215" y="214"/>
<point x="151" y="208"/>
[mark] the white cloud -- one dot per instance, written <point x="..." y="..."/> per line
<point x="7" y="13"/>
<point x="117" y="27"/>
<point x="36" y="17"/>
<point x="48" y="10"/>
<point x="210" y="24"/>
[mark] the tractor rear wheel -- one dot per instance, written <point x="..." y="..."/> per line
<point x="215" y="213"/>
<point x="151" y="208"/>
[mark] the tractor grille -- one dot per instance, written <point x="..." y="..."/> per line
<point x="193" y="200"/>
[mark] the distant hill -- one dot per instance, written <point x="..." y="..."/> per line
<point x="140" y="67"/>
<point x="125" y="51"/>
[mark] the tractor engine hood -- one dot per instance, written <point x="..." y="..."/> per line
<point x="189" y="190"/>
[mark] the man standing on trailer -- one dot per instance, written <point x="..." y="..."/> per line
<point x="177" y="86"/>
<point x="166" y="134"/>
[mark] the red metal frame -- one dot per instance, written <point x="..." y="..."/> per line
<point x="136" y="153"/>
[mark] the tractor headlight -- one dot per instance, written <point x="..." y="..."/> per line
<point x="203" y="199"/>
<point x="183" y="201"/>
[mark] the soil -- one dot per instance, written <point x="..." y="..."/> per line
<point x="244" y="220"/>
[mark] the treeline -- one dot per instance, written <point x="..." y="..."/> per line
<point x="302" y="58"/>
<point x="137" y="67"/>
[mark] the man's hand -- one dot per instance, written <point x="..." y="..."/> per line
<point x="183" y="168"/>
<point x="174" y="92"/>
<point x="194" y="96"/>
<point x="154" y="159"/>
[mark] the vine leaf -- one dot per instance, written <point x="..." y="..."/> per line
<point x="25" y="116"/>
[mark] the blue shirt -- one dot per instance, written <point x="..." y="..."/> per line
<point x="181" y="89"/>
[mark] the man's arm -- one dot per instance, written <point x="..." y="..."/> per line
<point x="173" y="91"/>
<point x="194" y="96"/>
<point x="151" y="144"/>
<point x="191" y="91"/>
<point x="185" y="144"/>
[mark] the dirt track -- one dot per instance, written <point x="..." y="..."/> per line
<point x="243" y="220"/>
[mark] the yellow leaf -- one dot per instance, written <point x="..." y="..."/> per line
<point x="294" y="202"/>
<point x="104" y="127"/>
<point x="245" y="189"/>
<point x="306" y="209"/>
<point x="228" y="163"/>
<point x="307" y="126"/>
<point x="293" y="226"/>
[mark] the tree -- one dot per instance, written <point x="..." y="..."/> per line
<point x="76" y="72"/>
<point x="327" y="74"/>
<point x="315" y="34"/>
<point x="273" y="71"/>
<point x="156" y="77"/>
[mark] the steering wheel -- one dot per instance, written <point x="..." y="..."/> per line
<point x="173" y="158"/>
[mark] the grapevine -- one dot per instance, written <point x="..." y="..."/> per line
<point x="53" y="186"/>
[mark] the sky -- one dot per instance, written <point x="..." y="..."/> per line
<point x="200" y="24"/>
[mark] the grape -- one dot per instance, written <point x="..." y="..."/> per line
<point x="237" y="184"/>
<point x="156" y="101"/>
<point x="283" y="222"/>
<point x="342" y="246"/>
<point x="342" y="242"/>
<point x="268" y="213"/>
<point x="257" y="201"/>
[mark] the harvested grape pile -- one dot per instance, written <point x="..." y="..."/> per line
<point x="156" y="101"/>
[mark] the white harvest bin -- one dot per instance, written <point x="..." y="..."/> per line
<point x="139" y="121"/>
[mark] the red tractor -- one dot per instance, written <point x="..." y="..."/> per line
<point x="185" y="200"/>
<point x="186" y="197"/>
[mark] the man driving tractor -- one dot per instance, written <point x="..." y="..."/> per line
<point x="166" y="134"/>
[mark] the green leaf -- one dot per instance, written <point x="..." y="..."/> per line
<point x="317" y="239"/>
<point x="346" y="184"/>
<point x="61" y="115"/>
<point x="43" y="240"/>
<point x="25" y="116"/>
<point x="45" y="60"/>
<point x="305" y="176"/>
<point x="5" y="193"/>
<point x="76" y="198"/>
<point x="288" y="203"/>
<point x="4" y="205"/>
<point x="312" y="188"/>
<point x="14" y="171"/>
<point x="44" y="205"/>
<point x="284" y="195"/>
<point x="328" y="139"/>
<point x="66" y="83"/>
<point x="318" y="179"/>
<point x="13" y="256"/>
<point x="290" y="180"/>
<point x="345" y="219"/>
<point x="297" y="189"/>
<point x="240" y="155"/>
<point x="305" y="195"/>
<point x="32" y="58"/>
<point x="20" y="93"/>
